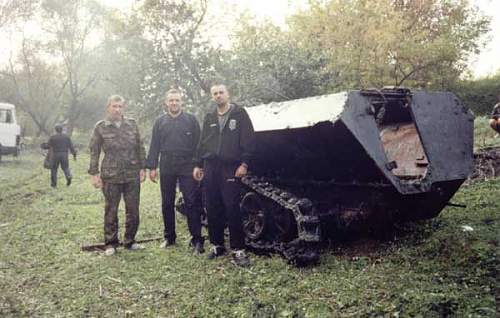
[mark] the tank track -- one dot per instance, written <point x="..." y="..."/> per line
<point x="303" y="250"/>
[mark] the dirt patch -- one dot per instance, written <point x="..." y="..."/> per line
<point x="364" y="247"/>
<point x="486" y="165"/>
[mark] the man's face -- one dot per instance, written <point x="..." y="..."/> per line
<point x="173" y="103"/>
<point x="115" y="110"/>
<point x="219" y="95"/>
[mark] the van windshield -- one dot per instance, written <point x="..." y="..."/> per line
<point x="5" y="116"/>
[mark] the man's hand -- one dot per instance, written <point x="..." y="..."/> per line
<point x="152" y="175"/>
<point x="241" y="171"/>
<point x="197" y="173"/>
<point x="142" y="175"/>
<point x="96" y="181"/>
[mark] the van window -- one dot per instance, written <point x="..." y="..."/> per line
<point x="5" y="116"/>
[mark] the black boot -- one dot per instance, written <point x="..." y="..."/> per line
<point x="197" y="247"/>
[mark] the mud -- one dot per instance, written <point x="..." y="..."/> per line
<point x="486" y="165"/>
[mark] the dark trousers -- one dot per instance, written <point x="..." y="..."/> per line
<point x="112" y="195"/>
<point x="62" y="160"/>
<point x="222" y="191"/>
<point x="192" y="200"/>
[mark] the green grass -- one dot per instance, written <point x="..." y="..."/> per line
<point x="484" y="136"/>
<point x="431" y="269"/>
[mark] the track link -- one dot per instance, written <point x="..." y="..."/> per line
<point x="303" y="250"/>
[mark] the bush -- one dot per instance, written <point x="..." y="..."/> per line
<point x="479" y="95"/>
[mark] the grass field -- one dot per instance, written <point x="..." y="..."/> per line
<point x="429" y="269"/>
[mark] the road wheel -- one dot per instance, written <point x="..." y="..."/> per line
<point x="254" y="216"/>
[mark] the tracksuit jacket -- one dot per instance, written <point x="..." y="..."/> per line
<point x="234" y="144"/>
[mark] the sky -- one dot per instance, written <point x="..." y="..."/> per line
<point x="488" y="62"/>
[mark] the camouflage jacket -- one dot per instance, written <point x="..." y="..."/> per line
<point x="124" y="153"/>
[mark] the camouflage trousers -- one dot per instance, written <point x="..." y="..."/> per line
<point x="112" y="195"/>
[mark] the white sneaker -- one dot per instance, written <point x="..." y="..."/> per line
<point x="240" y="258"/>
<point x="135" y="247"/>
<point x="110" y="251"/>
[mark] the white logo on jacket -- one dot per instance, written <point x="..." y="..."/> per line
<point x="232" y="124"/>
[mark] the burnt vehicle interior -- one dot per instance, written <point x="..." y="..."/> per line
<point x="398" y="133"/>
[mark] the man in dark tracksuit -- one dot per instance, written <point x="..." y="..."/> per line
<point x="175" y="137"/>
<point x="226" y="147"/>
<point x="59" y="145"/>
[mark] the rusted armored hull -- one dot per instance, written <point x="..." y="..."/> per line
<point x="364" y="157"/>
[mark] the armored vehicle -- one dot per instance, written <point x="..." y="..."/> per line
<point x="338" y="165"/>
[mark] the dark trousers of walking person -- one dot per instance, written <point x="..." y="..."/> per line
<point x="113" y="193"/>
<point x="59" y="159"/>
<point x="222" y="192"/>
<point x="192" y="200"/>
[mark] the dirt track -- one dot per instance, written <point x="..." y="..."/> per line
<point x="486" y="164"/>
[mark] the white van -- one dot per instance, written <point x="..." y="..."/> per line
<point x="10" y="131"/>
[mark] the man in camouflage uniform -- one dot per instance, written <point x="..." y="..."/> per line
<point x="122" y="171"/>
<point x="495" y="117"/>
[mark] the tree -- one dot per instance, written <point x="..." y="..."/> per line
<point x="31" y="84"/>
<point x="182" y="55"/>
<point x="479" y="95"/>
<point x="11" y="10"/>
<point x="265" y="64"/>
<point x="70" y="26"/>
<point x="398" y="42"/>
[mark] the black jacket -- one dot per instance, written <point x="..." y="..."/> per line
<point x="176" y="140"/>
<point x="236" y="142"/>
<point x="61" y="143"/>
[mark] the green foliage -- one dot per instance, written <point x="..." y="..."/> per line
<point x="87" y="52"/>
<point x="429" y="269"/>
<point x="265" y="64"/>
<point x="69" y="27"/>
<point x="480" y="95"/>
<point x="426" y="44"/>
<point x="32" y="84"/>
<point x="181" y="56"/>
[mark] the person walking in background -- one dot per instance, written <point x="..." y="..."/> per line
<point x="121" y="173"/>
<point x="58" y="146"/>
<point x="174" y="138"/>
<point x="227" y="145"/>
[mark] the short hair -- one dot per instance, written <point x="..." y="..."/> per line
<point x="116" y="99"/>
<point x="218" y="84"/>
<point x="58" y="128"/>
<point x="173" y="91"/>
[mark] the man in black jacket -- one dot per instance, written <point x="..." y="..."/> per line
<point x="59" y="145"/>
<point x="175" y="137"/>
<point x="226" y="147"/>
